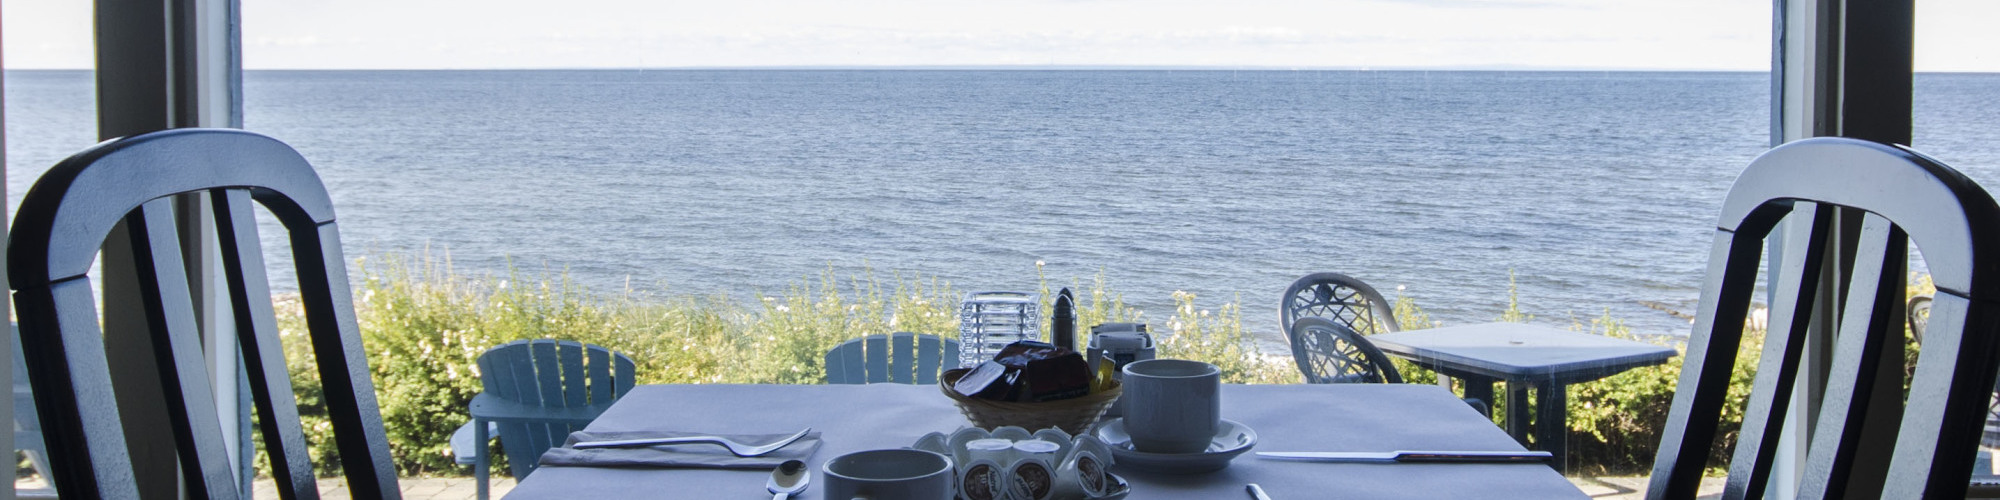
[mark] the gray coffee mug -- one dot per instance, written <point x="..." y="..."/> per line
<point x="1172" y="405"/>
<point x="888" y="475"/>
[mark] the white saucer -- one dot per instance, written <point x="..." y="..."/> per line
<point x="1231" y="439"/>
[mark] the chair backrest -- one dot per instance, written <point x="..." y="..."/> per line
<point x="901" y="357"/>
<point x="63" y="221"/>
<point x="1340" y="298"/>
<point x="28" y="425"/>
<point x="1866" y="440"/>
<point x="1331" y="353"/>
<point x="551" y="374"/>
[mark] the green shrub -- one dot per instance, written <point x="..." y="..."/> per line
<point x="1196" y="334"/>
<point x="424" y="328"/>
<point x="1615" y="423"/>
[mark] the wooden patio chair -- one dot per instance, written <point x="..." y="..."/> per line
<point x="1868" y="440"/>
<point x="901" y="358"/>
<point x="28" y="427"/>
<point x="1984" y="483"/>
<point x="63" y="221"/>
<point x="536" y="393"/>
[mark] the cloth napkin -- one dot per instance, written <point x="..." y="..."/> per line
<point x="705" y="456"/>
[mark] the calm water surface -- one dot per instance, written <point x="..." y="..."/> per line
<point x="1597" y="190"/>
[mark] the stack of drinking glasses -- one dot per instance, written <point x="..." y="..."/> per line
<point x="988" y="321"/>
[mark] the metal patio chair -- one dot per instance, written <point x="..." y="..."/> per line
<point x="901" y="358"/>
<point x="1919" y="312"/>
<point x="1340" y="298"/>
<point x="1331" y="353"/>
<point x="63" y="221"/>
<point x="536" y="393"/>
<point x="1868" y="440"/>
<point x="1348" y="302"/>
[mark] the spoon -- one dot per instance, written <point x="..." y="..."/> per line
<point x="790" y="477"/>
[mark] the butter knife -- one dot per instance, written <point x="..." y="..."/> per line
<point x="1408" y="456"/>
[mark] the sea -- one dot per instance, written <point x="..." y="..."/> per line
<point x="1592" y="193"/>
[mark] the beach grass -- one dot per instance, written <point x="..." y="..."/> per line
<point x="424" y="326"/>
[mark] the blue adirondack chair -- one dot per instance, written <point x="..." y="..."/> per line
<point x="537" y="392"/>
<point x="901" y="357"/>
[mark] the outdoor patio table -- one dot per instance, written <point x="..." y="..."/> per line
<point x="1524" y="356"/>
<point x="1286" y="417"/>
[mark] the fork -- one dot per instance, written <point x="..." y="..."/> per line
<point x="736" y="448"/>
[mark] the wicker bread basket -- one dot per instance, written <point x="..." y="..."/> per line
<point x="1074" y="415"/>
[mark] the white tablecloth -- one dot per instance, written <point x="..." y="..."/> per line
<point x="1286" y="418"/>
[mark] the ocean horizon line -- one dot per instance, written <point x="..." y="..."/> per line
<point x="1045" y="67"/>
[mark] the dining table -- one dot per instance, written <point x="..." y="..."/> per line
<point x="1524" y="356"/>
<point x="849" y="418"/>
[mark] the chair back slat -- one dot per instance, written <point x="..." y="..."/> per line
<point x="902" y="357"/>
<point x="163" y="287"/>
<point x="601" y="386"/>
<point x="625" y="377"/>
<point x="930" y="356"/>
<point x="547" y="372"/>
<point x="1777" y="370"/>
<point x="263" y="354"/>
<point x="343" y="364"/>
<point x="845" y="363"/>
<point x="876" y="348"/>
<point x="62" y="223"/>
<point x="1868" y="440"/>
<point x="1863" y="396"/>
<point x="86" y="448"/>
<point x="497" y="377"/>
<point x="573" y="376"/>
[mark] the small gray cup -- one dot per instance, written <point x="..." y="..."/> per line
<point x="888" y="475"/>
<point x="1172" y="405"/>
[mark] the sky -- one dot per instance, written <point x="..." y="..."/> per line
<point x="1953" y="35"/>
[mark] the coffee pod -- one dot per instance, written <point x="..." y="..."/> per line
<point x="958" y="440"/>
<point x="999" y="451"/>
<point x="982" y="480"/>
<point x="1096" y="447"/>
<point x="1083" y="475"/>
<point x="1038" y="449"/>
<point x="1058" y="437"/>
<point x="937" y="442"/>
<point x="1012" y="433"/>
<point x="1031" y="478"/>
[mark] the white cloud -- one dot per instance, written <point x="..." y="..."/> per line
<point x="1687" y="34"/>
